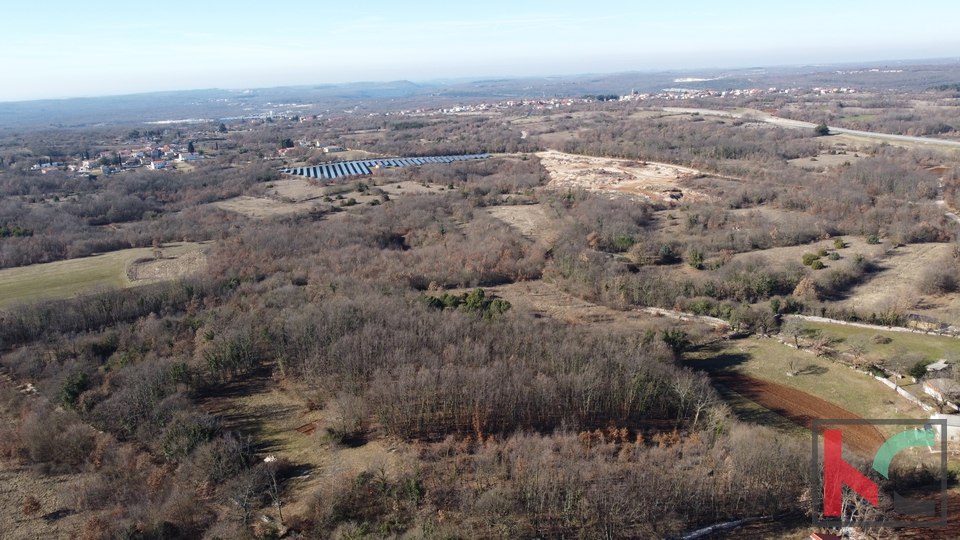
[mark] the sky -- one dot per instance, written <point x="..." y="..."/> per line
<point x="62" y="49"/>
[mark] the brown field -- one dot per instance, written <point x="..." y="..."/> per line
<point x="168" y="267"/>
<point x="801" y="408"/>
<point x="893" y="285"/>
<point x="544" y="299"/>
<point x="529" y="220"/>
<point x="294" y="195"/>
<point x="780" y="258"/>
<point x="654" y="181"/>
<point x="825" y="159"/>
<point x="260" y="207"/>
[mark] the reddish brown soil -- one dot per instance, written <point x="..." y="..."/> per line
<point x="951" y="531"/>
<point x="802" y="408"/>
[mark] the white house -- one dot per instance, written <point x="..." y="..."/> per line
<point x="953" y="426"/>
<point x="188" y="157"/>
<point x="158" y="164"/>
<point x="943" y="390"/>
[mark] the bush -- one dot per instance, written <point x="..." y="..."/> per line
<point x="822" y="253"/>
<point x="873" y="239"/>
<point x="834" y="256"/>
<point x="808" y="258"/>
<point x="695" y="258"/>
<point x="940" y="278"/>
<point x="839" y="243"/>
<point x="817" y="265"/>
<point x="186" y="432"/>
<point x="918" y="370"/>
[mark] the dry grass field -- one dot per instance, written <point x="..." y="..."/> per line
<point x="529" y="220"/>
<point x="894" y="284"/>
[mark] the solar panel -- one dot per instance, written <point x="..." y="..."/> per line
<point x="354" y="168"/>
<point x="363" y="168"/>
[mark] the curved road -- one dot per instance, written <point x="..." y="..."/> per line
<point x="757" y="115"/>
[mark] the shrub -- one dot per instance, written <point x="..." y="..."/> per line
<point x="873" y="239"/>
<point x="695" y="258"/>
<point x="666" y="254"/>
<point x="839" y="243"/>
<point x="186" y="432"/>
<point x="919" y="369"/>
<point x="808" y="258"/>
<point x="940" y="278"/>
<point x="817" y="265"/>
<point x="834" y="256"/>
<point x="822" y="253"/>
<point x="880" y="339"/>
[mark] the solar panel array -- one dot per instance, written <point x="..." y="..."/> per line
<point x="362" y="167"/>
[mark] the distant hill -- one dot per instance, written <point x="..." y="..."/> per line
<point x="374" y="96"/>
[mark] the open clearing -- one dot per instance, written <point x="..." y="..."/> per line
<point x="770" y="361"/>
<point x="529" y="220"/>
<point x="544" y="299"/>
<point x="262" y="207"/>
<point x="297" y="195"/>
<point x="933" y="347"/>
<point x="826" y="159"/>
<point x="655" y="181"/>
<point x="891" y="286"/>
<point x="63" y="279"/>
<point x="895" y="282"/>
<point x="802" y="408"/>
<point x="782" y="257"/>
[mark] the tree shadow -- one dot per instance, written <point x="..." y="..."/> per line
<point x="718" y="357"/>
<point x="811" y="369"/>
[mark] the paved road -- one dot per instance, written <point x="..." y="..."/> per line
<point x="757" y="115"/>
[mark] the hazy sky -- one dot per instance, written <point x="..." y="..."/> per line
<point x="52" y="49"/>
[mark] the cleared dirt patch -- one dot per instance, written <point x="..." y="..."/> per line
<point x="529" y="220"/>
<point x="654" y="181"/>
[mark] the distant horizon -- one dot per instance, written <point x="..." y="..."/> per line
<point x="426" y="83"/>
<point x="54" y="49"/>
